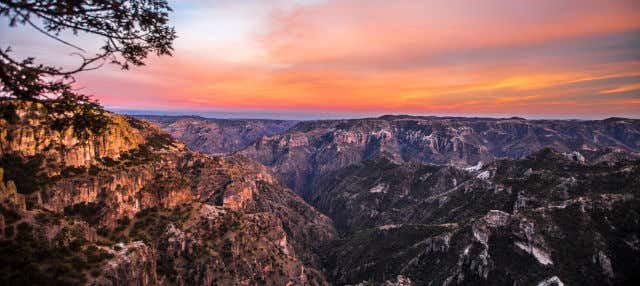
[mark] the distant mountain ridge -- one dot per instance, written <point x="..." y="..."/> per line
<point x="299" y="152"/>
<point x="313" y="148"/>
<point x="217" y="136"/>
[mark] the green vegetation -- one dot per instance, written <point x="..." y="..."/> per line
<point x="10" y="214"/>
<point x="31" y="260"/>
<point x="94" y="170"/>
<point x="8" y="112"/>
<point x="159" y="140"/>
<point x="26" y="172"/>
<point x="90" y="212"/>
<point x="86" y="117"/>
<point x="141" y="155"/>
<point x="46" y="218"/>
<point x="71" y="171"/>
<point x="108" y="161"/>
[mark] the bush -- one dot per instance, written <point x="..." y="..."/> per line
<point x="24" y="232"/>
<point x="27" y="173"/>
<point x="10" y="215"/>
<point x="87" y="117"/>
<point x="9" y="114"/>
<point x="94" y="170"/>
<point x="73" y="171"/>
<point x="108" y="161"/>
<point x="159" y="140"/>
<point x="91" y="212"/>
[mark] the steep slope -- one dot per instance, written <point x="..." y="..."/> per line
<point x="548" y="217"/>
<point x="131" y="206"/>
<point x="217" y="136"/>
<point x="311" y="149"/>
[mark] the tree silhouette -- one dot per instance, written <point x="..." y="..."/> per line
<point x="130" y="29"/>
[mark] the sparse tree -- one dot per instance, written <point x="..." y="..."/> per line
<point x="130" y="30"/>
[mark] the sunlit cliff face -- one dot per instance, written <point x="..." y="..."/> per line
<point x="535" y="58"/>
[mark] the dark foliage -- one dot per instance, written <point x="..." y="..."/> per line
<point x="131" y="30"/>
<point x="90" y="212"/>
<point x="160" y="140"/>
<point x="73" y="171"/>
<point x="8" y="113"/>
<point x="28" y="260"/>
<point x="78" y="111"/>
<point x="27" y="173"/>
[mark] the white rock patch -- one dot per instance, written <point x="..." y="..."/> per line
<point x="484" y="175"/>
<point x="284" y="246"/>
<point x="389" y="226"/>
<point x="553" y="281"/>
<point x="542" y="256"/>
<point x="379" y="188"/>
<point x="528" y="172"/>
<point x="575" y="156"/>
<point x="477" y="167"/>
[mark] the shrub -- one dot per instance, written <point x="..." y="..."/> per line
<point x="73" y="171"/>
<point x="94" y="170"/>
<point x="108" y="161"/>
<point x="9" y="114"/>
<point x="159" y="140"/>
<point x="26" y="172"/>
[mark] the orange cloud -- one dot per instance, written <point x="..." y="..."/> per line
<point x="545" y="58"/>
<point x="625" y="88"/>
<point x="349" y="32"/>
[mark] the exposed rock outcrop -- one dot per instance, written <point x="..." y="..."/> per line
<point x="546" y="219"/>
<point x="312" y="149"/>
<point x="134" y="207"/>
<point x="132" y="264"/>
<point x="116" y="184"/>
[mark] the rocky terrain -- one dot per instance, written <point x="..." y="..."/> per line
<point x="547" y="219"/>
<point x="217" y="136"/>
<point x="389" y="201"/>
<point x="131" y="206"/>
<point x="313" y="148"/>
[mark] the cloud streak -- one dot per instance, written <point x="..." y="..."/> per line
<point x="539" y="58"/>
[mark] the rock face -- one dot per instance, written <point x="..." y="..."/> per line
<point x="131" y="264"/>
<point x="153" y="212"/>
<point x="311" y="149"/>
<point x="33" y="137"/>
<point x="546" y="219"/>
<point x="132" y="206"/>
<point x="218" y="136"/>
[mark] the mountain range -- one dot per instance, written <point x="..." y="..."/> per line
<point x="299" y="152"/>
<point x="394" y="200"/>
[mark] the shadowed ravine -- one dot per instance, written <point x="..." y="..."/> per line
<point x="388" y="201"/>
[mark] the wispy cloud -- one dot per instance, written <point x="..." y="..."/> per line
<point x="625" y="88"/>
<point x="537" y="58"/>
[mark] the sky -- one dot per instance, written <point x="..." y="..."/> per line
<point x="331" y="59"/>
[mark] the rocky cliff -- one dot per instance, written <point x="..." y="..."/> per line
<point x="218" y="136"/>
<point x="131" y="206"/>
<point x="415" y="201"/>
<point x="313" y="148"/>
<point x="547" y="219"/>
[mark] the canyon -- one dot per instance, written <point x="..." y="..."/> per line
<point x="218" y="136"/>
<point x="394" y="200"/>
<point x="131" y="206"/>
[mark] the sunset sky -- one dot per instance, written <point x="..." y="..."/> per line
<point x="314" y="58"/>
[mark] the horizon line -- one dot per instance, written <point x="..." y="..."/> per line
<point x="333" y="115"/>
